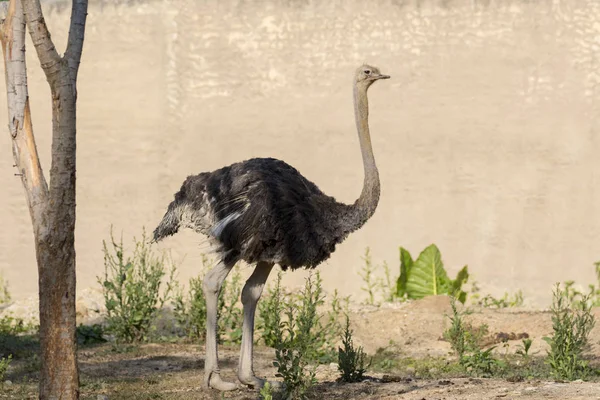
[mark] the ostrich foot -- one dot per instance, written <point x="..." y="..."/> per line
<point x="258" y="383"/>
<point x="213" y="380"/>
<point x="252" y="381"/>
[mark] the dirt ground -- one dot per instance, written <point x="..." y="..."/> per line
<point x="174" y="370"/>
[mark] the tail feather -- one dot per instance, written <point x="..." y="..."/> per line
<point x="169" y="224"/>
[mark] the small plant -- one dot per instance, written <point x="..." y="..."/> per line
<point x="191" y="314"/>
<point x="387" y="284"/>
<point x="300" y="340"/>
<point x="90" y="334"/>
<point x="291" y="362"/>
<point x="480" y="362"/>
<point x="456" y="334"/>
<point x="524" y="348"/>
<point x="595" y="289"/>
<point x="300" y="334"/>
<point x="323" y="330"/>
<point x="4" y="293"/>
<point x="572" y="321"/>
<point x="4" y="364"/>
<point x="489" y="301"/>
<point x="270" y="310"/>
<point x="266" y="392"/>
<point x="386" y="358"/>
<point x="463" y="336"/>
<point x="131" y="288"/>
<point x="352" y="362"/>
<point x="33" y="364"/>
<point x="367" y="276"/>
<point x="13" y="326"/>
<point x="465" y="341"/>
<point x="426" y="276"/>
<point x="318" y="340"/>
<point x="229" y="311"/>
<point x="297" y="377"/>
<point x="574" y="295"/>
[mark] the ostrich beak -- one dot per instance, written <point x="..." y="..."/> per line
<point x="382" y="77"/>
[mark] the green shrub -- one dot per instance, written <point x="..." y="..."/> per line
<point x="4" y="293"/>
<point x="465" y="341"/>
<point x="324" y="328"/>
<point x="90" y="334"/>
<point x="13" y="326"/>
<point x="457" y="334"/>
<point x="524" y="348"/>
<point x="481" y="362"/>
<point x="489" y="301"/>
<point x="574" y="295"/>
<point x="291" y="361"/>
<point x="352" y="362"/>
<point x="190" y="311"/>
<point x="385" y="286"/>
<point x="312" y="337"/>
<point x="386" y="358"/>
<point x="595" y="289"/>
<point x="572" y="322"/>
<point x="367" y="275"/>
<point x="131" y="288"/>
<point x="270" y="310"/>
<point x="230" y="312"/>
<point x="266" y="392"/>
<point x="301" y="337"/>
<point x="4" y="364"/>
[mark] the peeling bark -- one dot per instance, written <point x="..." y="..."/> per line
<point x="52" y="208"/>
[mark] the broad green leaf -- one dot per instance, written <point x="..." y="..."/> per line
<point x="427" y="276"/>
<point x="461" y="278"/>
<point x="406" y="264"/>
<point x="461" y="296"/>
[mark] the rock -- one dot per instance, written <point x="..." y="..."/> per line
<point x="333" y="366"/>
<point x="102" y="397"/>
<point x="7" y="383"/>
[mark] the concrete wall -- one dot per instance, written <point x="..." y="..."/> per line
<point x="486" y="137"/>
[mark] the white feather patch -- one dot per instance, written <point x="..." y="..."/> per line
<point x="220" y="225"/>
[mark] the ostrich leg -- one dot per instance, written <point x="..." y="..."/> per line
<point x="250" y="295"/>
<point x="213" y="281"/>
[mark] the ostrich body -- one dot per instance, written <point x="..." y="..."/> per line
<point x="264" y="212"/>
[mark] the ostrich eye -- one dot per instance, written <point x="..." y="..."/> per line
<point x="368" y="72"/>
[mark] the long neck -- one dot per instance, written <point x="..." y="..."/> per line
<point x="364" y="207"/>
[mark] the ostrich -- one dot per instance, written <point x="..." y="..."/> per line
<point x="264" y="212"/>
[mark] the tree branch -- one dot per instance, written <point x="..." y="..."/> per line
<point x="3" y="13"/>
<point x="76" y="34"/>
<point x="19" y="116"/>
<point x="49" y="58"/>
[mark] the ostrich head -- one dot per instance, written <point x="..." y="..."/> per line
<point x="367" y="74"/>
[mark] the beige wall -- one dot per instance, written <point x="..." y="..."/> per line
<point x="486" y="136"/>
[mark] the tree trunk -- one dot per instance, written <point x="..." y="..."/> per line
<point x="56" y="253"/>
<point x="52" y="209"/>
